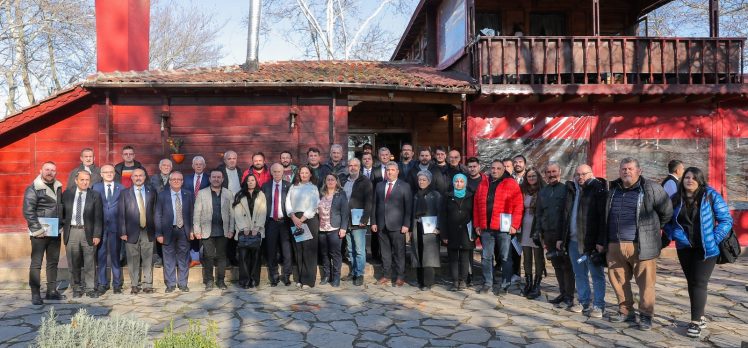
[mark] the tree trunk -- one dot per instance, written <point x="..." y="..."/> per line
<point x="20" y="50"/>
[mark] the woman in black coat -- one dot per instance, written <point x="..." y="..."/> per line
<point x="458" y="213"/>
<point x="425" y="246"/>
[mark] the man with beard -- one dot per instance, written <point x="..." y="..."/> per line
<point x="336" y="164"/>
<point x="258" y="169"/>
<point x="289" y="169"/>
<point x="454" y="166"/>
<point x="406" y="160"/>
<point x="474" y="174"/>
<point x="520" y="164"/>
<point x="509" y="165"/>
<point x="87" y="164"/>
<point x="313" y="158"/>
<point x="160" y="181"/>
<point x="231" y="171"/>
<point x="424" y="163"/>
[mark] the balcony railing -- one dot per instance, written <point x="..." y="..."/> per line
<point x="608" y="60"/>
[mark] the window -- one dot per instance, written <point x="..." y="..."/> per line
<point x="569" y="153"/>
<point x="452" y="31"/>
<point x="490" y="21"/>
<point x="737" y="173"/>
<point x="548" y="24"/>
<point x="654" y="154"/>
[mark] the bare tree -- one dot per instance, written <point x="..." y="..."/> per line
<point x="183" y="36"/>
<point x="336" y="29"/>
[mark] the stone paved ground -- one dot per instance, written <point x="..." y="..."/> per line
<point x="375" y="316"/>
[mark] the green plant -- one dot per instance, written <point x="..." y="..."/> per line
<point x="85" y="331"/>
<point x="175" y="144"/>
<point x="193" y="337"/>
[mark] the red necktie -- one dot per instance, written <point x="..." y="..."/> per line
<point x="197" y="184"/>
<point x="389" y="190"/>
<point x="275" y="205"/>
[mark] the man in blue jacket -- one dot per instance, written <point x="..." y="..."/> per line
<point x="137" y="226"/>
<point x="173" y="230"/>
<point x="110" y="245"/>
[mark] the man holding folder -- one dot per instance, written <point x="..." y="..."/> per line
<point x="360" y="193"/>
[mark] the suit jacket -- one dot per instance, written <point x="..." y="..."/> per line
<point x="95" y="175"/>
<point x="376" y="175"/>
<point x="129" y="214"/>
<point x="189" y="182"/>
<point x="156" y="183"/>
<point x="267" y="189"/>
<point x="110" y="206"/>
<point x="164" y="214"/>
<point x="203" y="214"/>
<point x="438" y="179"/>
<point x="395" y="212"/>
<point x="92" y="214"/>
<point x="222" y="168"/>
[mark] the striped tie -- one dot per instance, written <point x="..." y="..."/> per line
<point x="178" y="208"/>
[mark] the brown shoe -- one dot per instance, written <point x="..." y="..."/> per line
<point x="383" y="281"/>
<point x="148" y="291"/>
<point x="399" y="283"/>
<point x="134" y="290"/>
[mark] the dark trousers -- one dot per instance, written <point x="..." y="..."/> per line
<point x="305" y="253"/>
<point x="81" y="260"/>
<point x="140" y="260"/>
<point x="425" y="276"/>
<point x="392" y="247"/>
<point x="158" y="253"/>
<point x="697" y="272"/>
<point x="109" y="249"/>
<point x="177" y="258"/>
<point x="232" y="252"/>
<point x="376" y="252"/>
<point x="50" y="247"/>
<point x="459" y="263"/>
<point x="329" y="252"/>
<point x="249" y="265"/>
<point x="564" y="276"/>
<point x="278" y="239"/>
<point x="214" y="254"/>
<point x="516" y="261"/>
<point x="533" y="256"/>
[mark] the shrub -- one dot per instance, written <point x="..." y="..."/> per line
<point x="194" y="337"/>
<point x="85" y="331"/>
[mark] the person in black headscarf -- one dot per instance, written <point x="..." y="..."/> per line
<point x="425" y="241"/>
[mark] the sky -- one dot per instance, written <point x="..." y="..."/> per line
<point x="233" y="37"/>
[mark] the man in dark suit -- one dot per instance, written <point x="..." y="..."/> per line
<point x="110" y="245"/>
<point x="173" y="229"/>
<point x="199" y="180"/>
<point x="83" y="216"/>
<point x="277" y="227"/>
<point x="391" y="216"/>
<point x="137" y="228"/>
<point x="378" y="173"/>
<point x="160" y="181"/>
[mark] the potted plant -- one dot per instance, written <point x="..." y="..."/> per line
<point x="175" y="144"/>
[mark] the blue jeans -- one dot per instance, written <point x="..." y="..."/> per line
<point x="582" y="271"/>
<point x="491" y="240"/>
<point x="356" y="239"/>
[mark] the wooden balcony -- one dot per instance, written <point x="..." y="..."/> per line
<point x="613" y="60"/>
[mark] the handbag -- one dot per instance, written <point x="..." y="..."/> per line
<point x="249" y="241"/>
<point x="729" y="248"/>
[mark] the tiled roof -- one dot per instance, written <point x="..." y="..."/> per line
<point x="43" y="107"/>
<point x="347" y="74"/>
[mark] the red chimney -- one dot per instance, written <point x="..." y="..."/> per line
<point x="122" y="28"/>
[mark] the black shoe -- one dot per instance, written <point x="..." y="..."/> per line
<point x="645" y="322"/>
<point x="358" y="281"/>
<point x="454" y="287"/>
<point x="93" y="294"/>
<point x="469" y="279"/>
<point x="274" y="284"/>
<point x="36" y="299"/>
<point x="148" y="290"/>
<point x="335" y="283"/>
<point x="286" y="280"/>
<point x="324" y="280"/>
<point x="184" y="289"/>
<point x="54" y="296"/>
<point x="170" y="289"/>
<point x="558" y="299"/>
<point x="77" y="294"/>
<point x="221" y="285"/>
<point x="134" y="290"/>
<point x="694" y="330"/>
<point x="209" y="287"/>
<point x="158" y="264"/>
<point x="117" y="290"/>
<point x="620" y="317"/>
<point x="484" y="289"/>
<point x="349" y="277"/>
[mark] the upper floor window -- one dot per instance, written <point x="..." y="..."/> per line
<point x="452" y="31"/>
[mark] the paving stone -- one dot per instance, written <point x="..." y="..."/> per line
<point x="329" y="339"/>
<point x="471" y="336"/>
<point x="374" y="322"/>
<point x="406" y="342"/>
<point x="8" y="332"/>
<point x="348" y="327"/>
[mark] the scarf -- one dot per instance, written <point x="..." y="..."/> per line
<point x="422" y="208"/>
<point x="460" y="193"/>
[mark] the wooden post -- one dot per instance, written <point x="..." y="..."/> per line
<point x="596" y="17"/>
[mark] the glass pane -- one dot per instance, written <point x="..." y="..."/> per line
<point x="654" y="154"/>
<point x="567" y="152"/>
<point x="737" y="173"/>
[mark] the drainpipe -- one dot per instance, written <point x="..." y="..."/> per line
<point x="253" y="42"/>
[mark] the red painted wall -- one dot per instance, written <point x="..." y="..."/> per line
<point x="599" y="123"/>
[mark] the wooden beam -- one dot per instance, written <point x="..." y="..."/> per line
<point x="404" y="97"/>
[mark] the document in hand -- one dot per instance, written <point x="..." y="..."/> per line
<point x="506" y="222"/>
<point x="517" y="246"/>
<point x="302" y="233"/>
<point x="356" y="215"/>
<point x="429" y="224"/>
<point x="50" y="226"/>
<point x="470" y="230"/>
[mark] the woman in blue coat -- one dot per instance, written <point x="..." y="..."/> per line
<point x="701" y="220"/>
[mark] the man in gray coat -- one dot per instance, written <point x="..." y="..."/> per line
<point x="213" y="224"/>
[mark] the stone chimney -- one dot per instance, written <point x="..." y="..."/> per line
<point x="122" y="41"/>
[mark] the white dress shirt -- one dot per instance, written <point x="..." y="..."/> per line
<point x="75" y="207"/>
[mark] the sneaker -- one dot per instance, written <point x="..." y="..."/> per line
<point x="702" y="322"/>
<point x="620" y="317"/>
<point x="558" y="299"/>
<point x="596" y="312"/>
<point x="586" y="309"/>
<point x="694" y="330"/>
<point x="484" y="289"/>
<point x="575" y="308"/>
<point x="645" y="322"/>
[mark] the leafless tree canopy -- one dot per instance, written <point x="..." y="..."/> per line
<point x="336" y="29"/>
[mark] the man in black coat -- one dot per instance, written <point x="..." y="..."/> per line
<point x="439" y="182"/>
<point x="360" y="194"/>
<point x="137" y="229"/>
<point x="83" y="214"/>
<point x="277" y="227"/>
<point x="173" y="220"/>
<point x="392" y="219"/>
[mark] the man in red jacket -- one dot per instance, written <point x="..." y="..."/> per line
<point x="497" y="215"/>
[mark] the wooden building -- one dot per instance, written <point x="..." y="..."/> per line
<point x="568" y="80"/>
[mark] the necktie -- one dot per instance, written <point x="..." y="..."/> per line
<point x="197" y="184"/>
<point x="141" y="207"/>
<point x="368" y="173"/>
<point x="108" y="192"/>
<point x="276" y="196"/>
<point x="79" y="209"/>
<point x="389" y="190"/>
<point x="178" y="208"/>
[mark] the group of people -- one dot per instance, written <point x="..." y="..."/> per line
<point x="308" y="217"/>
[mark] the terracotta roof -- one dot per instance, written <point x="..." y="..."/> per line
<point x="51" y="103"/>
<point x="346" y="74"/>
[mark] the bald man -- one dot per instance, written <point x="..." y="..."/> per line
<point x="583" y="235"/>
